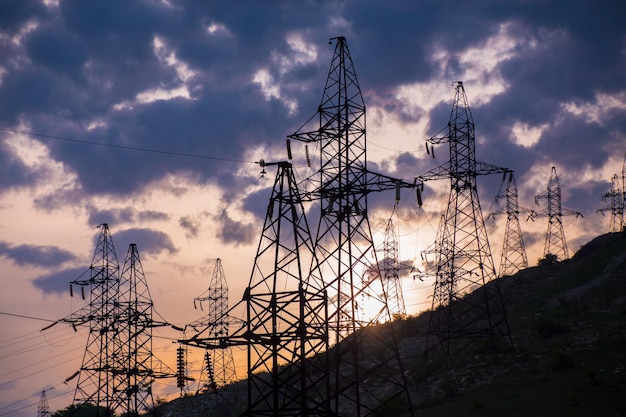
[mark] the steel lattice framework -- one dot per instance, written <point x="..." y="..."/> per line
<point x="464" y="262"/>
<point x="118" y="368"/>
<point x="345" y="249"/>
<point x="513" y="257"/>
<point x="95" y="381"/>
<point x="615" y="198"/>
<point x="134" y="367"/>
<point x="218" y="368"/>
<point x="390" y="268"/>
<point x="556" y="244"/>
<point x="286" y="326"/>
<point x="43" y="409"/>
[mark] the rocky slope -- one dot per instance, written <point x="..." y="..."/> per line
<point x="568" y="357"/>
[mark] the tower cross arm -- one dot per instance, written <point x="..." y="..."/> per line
<point x="380" y="182"/>
<point x="483" y="168"/>
<point x="434" y="174"/>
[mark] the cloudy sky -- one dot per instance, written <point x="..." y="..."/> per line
<point x="149" y="115"/>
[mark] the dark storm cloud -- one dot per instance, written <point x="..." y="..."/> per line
<point x="234" y="232"/>
<point x="35" y="255"/>
<point x="83" y="59"/>
<point x="110" y="216"/>
<point x="148" y="241"/>
<point x="152" y="215"/>
<point x="190" y="225"/>
<point x="58" y="282"/>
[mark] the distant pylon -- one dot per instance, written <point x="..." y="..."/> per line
<point x="615" y="201"/>
<point x="465" y="264"/>
<point x="134" y="366"/>
<point x="43" y="409"/>
<point x="513" y="257"/>
<point x="390" y="269"/>
<point x="218" y="368"/>
<point x="345" y="248"/>
<point x="556" y="244"/>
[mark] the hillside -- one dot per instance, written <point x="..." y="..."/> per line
<point x="568" y="322"/>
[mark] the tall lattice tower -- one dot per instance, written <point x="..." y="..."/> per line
<point x="95" y="381"/>
<point x="464" y="263"/>
<point x="345" y="249"/>
<point x="134" y="367"/>
<point x="556" y="245"/>
<point x="615" y="206"/>
<point x="390" y="269"/>
<point x="286" y="328"/>
<point x="43" y="409"/>
<point x="513" y="257"/>
<point x="218" y="367"/>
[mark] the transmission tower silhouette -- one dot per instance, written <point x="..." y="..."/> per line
<point x="218" y="367"/>
<point x="95" y="384"/>
<point x="616" y="199"/>
<point x="555" y="245"/>
<point x="513" y="257"/>
<point x="615" y="206"/>
<point x="43" y="409"/>
<point x="286" y="329"/>
<point x="464" y="262"/>
<point x="345" y="248"/>
<point x="134" y="366"/>
<point x="118" y="368"/>
<point x="391" y="268"/>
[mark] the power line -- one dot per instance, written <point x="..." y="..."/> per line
<point x="132" y="148"/>
<point x="25" y="317"/>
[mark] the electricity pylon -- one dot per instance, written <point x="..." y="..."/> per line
<point x="286" y="326"/>
<point x="218" y="367"/>
<point x="390" y="269"/>
<point x="464" y="262"/>
<point x="615" y="206"/>
<point x="134" y="367"/>
<point x="555" y="245"/>
<point x="513" y="257"/>
<point x="616" y="199"/>
<point x="43" y="409"/>
<point x="95" y="381"/>
<point x="118" y="368"/>
<point x="345" y="248"/>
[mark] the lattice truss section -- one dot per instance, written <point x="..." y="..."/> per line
<point x="345" y="249"/>
<point x="460" y="314"/>
<point x="285" y="329"/>
<point x="615" y="199"/>
<point x="391" y="270"/>
<point x="134" y="366"/>
<point x="513" y="258"/>
<point x="95" y="384"/>
<point x="118" y="367"/>
<point x="555" y="245"/>
<point x="218" y="367"/>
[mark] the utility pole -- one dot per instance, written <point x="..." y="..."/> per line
<point x="555" y="245"/>
<point x="513" y="257"/>
<point x="345" y="248"/>
<point x="467" y="305"/>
